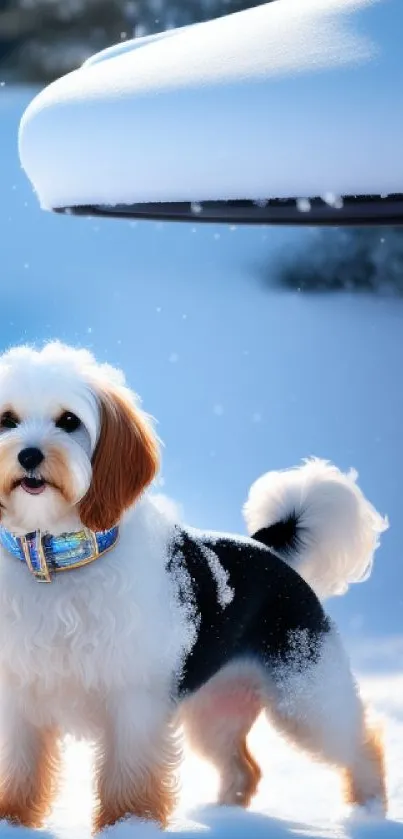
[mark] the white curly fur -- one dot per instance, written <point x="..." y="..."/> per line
<point x="95" y="650"/>
<point x="338" y="528"/>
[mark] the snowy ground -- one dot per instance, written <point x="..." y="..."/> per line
<point x="241" y="379"/>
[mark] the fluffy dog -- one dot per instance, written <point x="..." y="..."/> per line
<point x="119" y="624"/>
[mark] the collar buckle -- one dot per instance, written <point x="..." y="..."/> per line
<point x="41" y="573"/>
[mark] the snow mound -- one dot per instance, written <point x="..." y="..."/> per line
<point x="231" y="823"/>
<point x="228" y="109"/>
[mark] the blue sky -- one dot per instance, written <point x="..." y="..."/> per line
<point x="240" y="378"/>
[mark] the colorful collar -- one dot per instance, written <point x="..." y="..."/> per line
<point x="45" y="554"/>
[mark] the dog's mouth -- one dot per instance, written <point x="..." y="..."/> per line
<point x="33" y="486"/>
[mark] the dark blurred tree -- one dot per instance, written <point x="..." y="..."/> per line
<point x="41" y="39"/>
<point x="366" y="259"/>
<point x="171" y="13"/>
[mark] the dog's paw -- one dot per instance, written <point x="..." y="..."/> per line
<point x="129" y="828"/>
<point x="372" y="811"/>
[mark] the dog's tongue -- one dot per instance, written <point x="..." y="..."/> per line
<point x="34" y="486"/>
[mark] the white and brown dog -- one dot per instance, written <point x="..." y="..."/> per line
<point x="119" y="624"/>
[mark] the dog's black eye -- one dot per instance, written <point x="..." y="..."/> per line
<point x="8" y="420"/>
<point x="68" y="422"/>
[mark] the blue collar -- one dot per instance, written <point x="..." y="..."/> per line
<point x="45" y="554"/>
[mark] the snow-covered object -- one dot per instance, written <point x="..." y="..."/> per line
<point x="335" y="530"/>
<point x="287" y="100"/>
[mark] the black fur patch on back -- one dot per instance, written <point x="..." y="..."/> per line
<point x="271" y="606"/>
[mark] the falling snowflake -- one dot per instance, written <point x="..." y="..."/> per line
<point x="333" y="200"/>
<point x="303" y="205"/>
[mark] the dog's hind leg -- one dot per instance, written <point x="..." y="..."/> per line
<point x="316" y="704"/>
<point x="217" y="720"/>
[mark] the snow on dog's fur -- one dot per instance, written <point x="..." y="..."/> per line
<point x="125" y="649"/>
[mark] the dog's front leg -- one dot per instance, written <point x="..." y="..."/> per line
<point x="29" y="766"/>
<point x="137" y="759"/>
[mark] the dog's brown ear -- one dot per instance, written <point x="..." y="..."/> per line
<point x="125" y="462"/>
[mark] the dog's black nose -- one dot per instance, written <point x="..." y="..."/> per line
<point x="30" y="458"/>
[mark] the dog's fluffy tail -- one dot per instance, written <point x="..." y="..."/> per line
<point x="316" y="519"/>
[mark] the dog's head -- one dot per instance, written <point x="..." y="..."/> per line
<point x="74" y="444"/>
